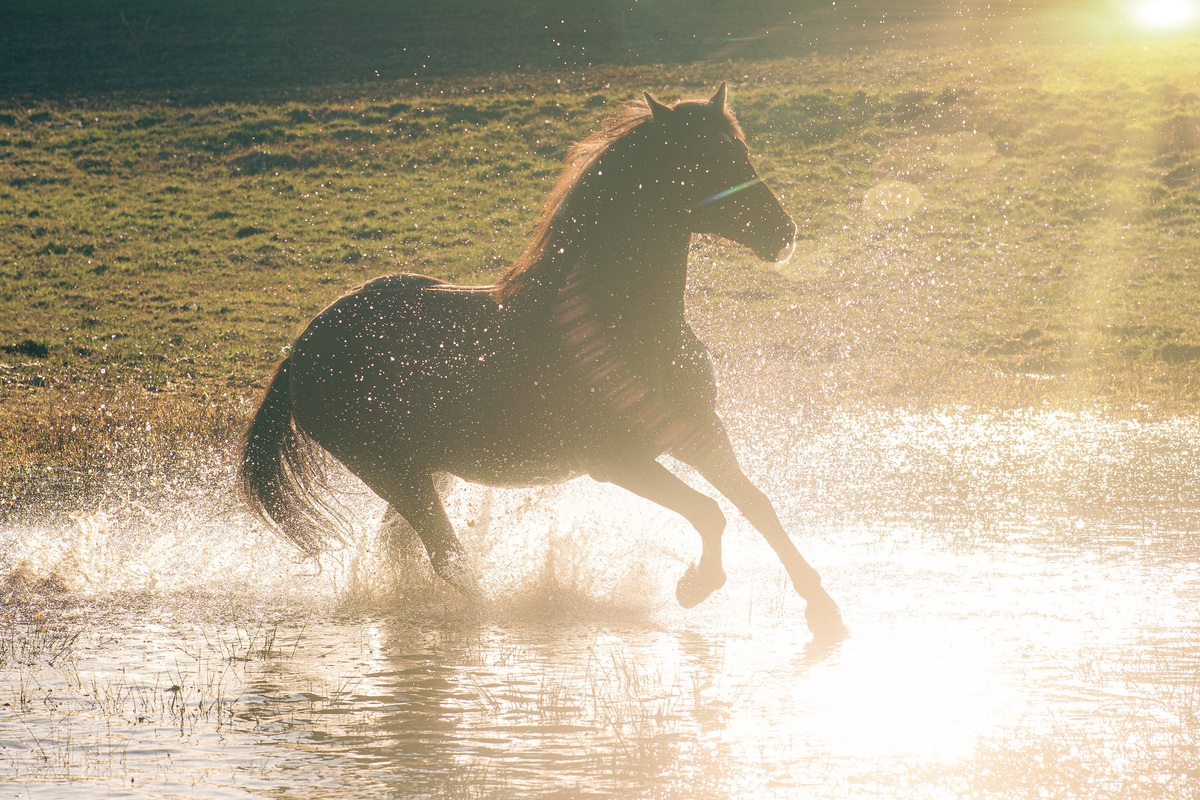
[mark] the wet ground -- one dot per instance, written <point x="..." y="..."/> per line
<point x="1022" y="590"/>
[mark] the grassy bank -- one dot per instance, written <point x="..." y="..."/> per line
<point x="995" y="225"/>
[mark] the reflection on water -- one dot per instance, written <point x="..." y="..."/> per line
<point x="1023" y="592"/>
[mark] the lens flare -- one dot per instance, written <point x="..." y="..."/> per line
<point x="1165" y="15"/>
<point x="727" y="192"/>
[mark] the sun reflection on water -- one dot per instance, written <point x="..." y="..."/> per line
<point x="904" y="696"/>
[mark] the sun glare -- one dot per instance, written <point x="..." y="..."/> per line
<point x="1165" y="15"/>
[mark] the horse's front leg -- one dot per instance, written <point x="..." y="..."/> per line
<point x="656" y="483"/>
<point x="711" y="454"/>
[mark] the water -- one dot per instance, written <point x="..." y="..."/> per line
<point x="1022" y="589"/>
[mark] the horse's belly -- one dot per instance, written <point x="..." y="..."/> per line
<point x="505" y="473"/>
<point x="521" y="442"/>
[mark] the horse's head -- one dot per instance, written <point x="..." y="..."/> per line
<point x="650" y="170"/>
<point x="709" y="176"/>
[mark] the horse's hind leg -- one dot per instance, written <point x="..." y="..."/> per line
<point x="399" y="540"/>
<point x="656" y="483"/>
<point x="417" y="501"/>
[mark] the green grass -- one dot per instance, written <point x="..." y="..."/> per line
<point x="161" y="246"/>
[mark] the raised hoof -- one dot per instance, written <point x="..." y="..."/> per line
<point x="825" y="622"/>
<point x="694" y="588"/>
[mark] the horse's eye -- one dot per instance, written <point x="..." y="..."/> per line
<point x="725" y="137"/>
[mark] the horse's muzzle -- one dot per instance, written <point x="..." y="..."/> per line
<point x="783" y="245"/>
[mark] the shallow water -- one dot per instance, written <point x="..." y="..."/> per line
<point x="1022" y="590"/>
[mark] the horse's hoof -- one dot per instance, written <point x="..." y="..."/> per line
<point x="825" y="622"/>
<point x="694" y="588"/>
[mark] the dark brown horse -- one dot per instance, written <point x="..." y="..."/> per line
<point x="578" y="361"/>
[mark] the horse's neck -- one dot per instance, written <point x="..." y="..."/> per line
<point x="640" y="278"/>
<point x="629" y="264"/>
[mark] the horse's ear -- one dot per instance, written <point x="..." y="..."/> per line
<point x="657" y="109"/>
<point x="718" y="100"/>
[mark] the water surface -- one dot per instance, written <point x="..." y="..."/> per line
<point x="1022" y="589"/>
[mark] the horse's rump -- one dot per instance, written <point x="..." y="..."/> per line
<point x="397" y="358"/>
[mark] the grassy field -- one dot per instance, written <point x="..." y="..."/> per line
<point x="1003" y="213"/>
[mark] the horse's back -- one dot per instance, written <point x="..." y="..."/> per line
<point x="400" y="305"/>
<point x="395" y="316"/>
<point x="403" y="289"/>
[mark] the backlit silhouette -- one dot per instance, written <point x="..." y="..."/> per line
<point x="577" y="361"/>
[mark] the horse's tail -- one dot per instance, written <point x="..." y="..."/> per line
<point x="281" y="471"/>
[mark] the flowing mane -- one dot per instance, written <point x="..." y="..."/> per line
<point x="582" y="156"/>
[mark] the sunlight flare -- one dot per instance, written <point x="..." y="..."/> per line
<point x="1165" y="15"/>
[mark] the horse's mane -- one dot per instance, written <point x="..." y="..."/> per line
<point x="582" y="156"/>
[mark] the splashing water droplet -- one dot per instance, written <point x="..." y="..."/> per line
<point x="891" y="200"/>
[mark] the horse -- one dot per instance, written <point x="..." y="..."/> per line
<point x="577" y="361"/>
